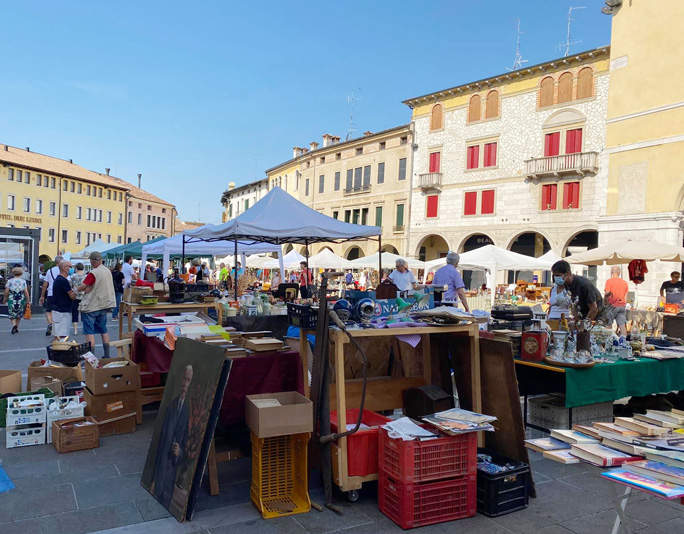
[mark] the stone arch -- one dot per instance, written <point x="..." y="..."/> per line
<point x="679" y="203"/>
<point x="462" y="245"/>
<point x="432" y="247"/>
<point x="390" y="248"/>
<point x="587" y="236"/>
<point x="516" y="237"/>
<point x="288" y="248"/>
<point x="325" y="247"/>
<point x="354" y="252"/>
<point x="564" y="117"/>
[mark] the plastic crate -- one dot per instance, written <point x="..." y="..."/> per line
<point x="503" y="493"/>
<point x="420" y="461"/>
<point x="26" y="416"/>
<point x="301" y="315"/>
<point x="71" y="357"/>
<point x="362" y="446"/>
<point x="550" y="412"/>
<point x="279" y="475"/>
<point x="417" y="505"/>
<point x="23" y="436"/>
<point x="56" y="414"/>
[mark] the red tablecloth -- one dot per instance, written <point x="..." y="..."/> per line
<point x="269" y="373"/>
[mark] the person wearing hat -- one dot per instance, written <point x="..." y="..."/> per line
<point x="450" y="277"/>
<point x="98" y="301"/>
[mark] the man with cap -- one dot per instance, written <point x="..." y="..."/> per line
<point x="450" y="277"/>
<point x="46" y="292"/>
<point x="97" y="302"/>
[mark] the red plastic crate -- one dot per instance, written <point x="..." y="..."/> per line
<point x="420" y="461"/>
<point x="362" y="446"/>
<point x="417" y="505"/>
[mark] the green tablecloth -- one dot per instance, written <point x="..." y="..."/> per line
<point x="612" y="381"/>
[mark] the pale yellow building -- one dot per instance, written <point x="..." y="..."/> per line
<point x="148" y="216"/>
<point x="645" y="130"/>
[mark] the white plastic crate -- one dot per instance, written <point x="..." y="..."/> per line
<point x="54" y="413"/>
<point x="25" y="416"/>
<point x="23" y="436"/>
<point x="550" y="412"/>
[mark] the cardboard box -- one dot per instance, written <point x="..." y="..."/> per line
<point x="79" y="434"/>
<point x="134" y="294"/>
<point x="112" y="380"/>
<point x="293" y="416"/>
<point x="122" y="424"/>
<point x="112" y="411"/>
<point x="10" y="382"/>
<point x="65" y="374"/>
<point x="74" y="389"/>
<point x="53" y="384"/>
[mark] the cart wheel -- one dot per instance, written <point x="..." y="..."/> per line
<point x="353" y="495"/>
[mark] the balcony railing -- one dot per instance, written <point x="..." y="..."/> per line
<point x="358" y="189"/>
<point x="430" y="180"/>
<point x="578" y="163"/>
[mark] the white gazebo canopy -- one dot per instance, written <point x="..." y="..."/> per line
<point x="291" y="260"/>
<point x="493" y="258"/>
<point x="96" y="246"/>
<point x="388" y="260"/>
<point x="327" y="259"/>
<point x="622" y="252"/>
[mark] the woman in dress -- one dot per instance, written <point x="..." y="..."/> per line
<point x="16" y="296"/>
<point x="76" y="280"/>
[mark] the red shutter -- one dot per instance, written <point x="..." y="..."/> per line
<point x="551" y="144"/>
<point x="470" y="203"/>
<point x="573" y="141"/>
<point x="487" y="202"/>
<point x="434" y="162"/>
<point x="571" y="191"/>
<point x="549" y="196"/>
<point x="490" y="155"/>
<point x="473" y="157"/>
<point x="432" y="205"/>
<point x="574" y="196"/>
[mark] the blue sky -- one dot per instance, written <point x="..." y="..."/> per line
<point x="194" y="95"/>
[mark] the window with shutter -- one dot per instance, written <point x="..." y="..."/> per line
<point x="585" y="83"/>
<point x="573" y="141"/>
<point x="381" y="173"/>
<point x="546" y="92"/>
<point x="549" y="197"/>
<point x="378" y="216"/>
<point x="400" y="215"/>
<point x="473" y="157"/>
<point x="492" y="109"/>
<point x="470" y="203"/>
<point x="432" y="206"/>
<point x="474" y="108"/>
<point x="321" y="183"/>
<point x="337" y="181"/>
<point x="487" y="207"/>
<point x="489" y="155"/>
<point x="437" y="118"/>
<point x="565" y="87"/>
<point x="366" y="176"/>
<point x="358" y="177"/>
<point x="551" y="144"/>
<point x="571" y="200"/>
<point x="434" y="162"/>
<point x="402" y="169"/>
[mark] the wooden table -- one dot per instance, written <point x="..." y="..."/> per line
<point x="133" y="308"/>
<point x="385" y="393"/>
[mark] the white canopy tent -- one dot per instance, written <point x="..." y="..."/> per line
<point x="388" y="259"/>
<point x="96" y="246"/>
<point x="279" y="218"/>
<point x="327" y="259"/>
<point x="549" y="258"/>
<point x="622" y="252"/>
<point x="291" y="260"/>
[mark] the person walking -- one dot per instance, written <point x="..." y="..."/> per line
<point x="16" y="297"/>
<point x="76" y="280"/>
<point x="118" y="281"/>
<point x="98" y="300"/>
<point x="616" y="295"/>
<point x="46" y="292"/>
<point x="62" y="300"/>
<point x="128" y="271"/>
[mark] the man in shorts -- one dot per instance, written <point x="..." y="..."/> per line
<point x="98" y="301"/>
<point x="46" y="292"/>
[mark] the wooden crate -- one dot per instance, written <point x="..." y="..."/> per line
<point x="68" y="437"/>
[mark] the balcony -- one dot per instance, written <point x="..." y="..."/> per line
<point x="430" y="181"/>
<point x="357" y="190"/>
<point x="578" y="163"/>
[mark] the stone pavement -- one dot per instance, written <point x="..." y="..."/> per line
<point x="99" y="490"/>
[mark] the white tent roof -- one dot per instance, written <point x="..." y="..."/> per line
<point x="495" y="259"/>
<point x="388" y="260"/>
<point x="280" y="218"/>
<point x="96" y="246"/>
<point x="327" y="259"/>
<point x="625" y="251"/>
<point x="549" y="258"/>
<point x="291" y="260"/>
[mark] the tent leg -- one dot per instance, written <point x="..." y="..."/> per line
<point x="308" y="273"/>
<point x="235" y="282"/>
<point x="182" y="269"/>
<point x="379" y="260"/>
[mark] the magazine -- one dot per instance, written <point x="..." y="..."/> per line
<point x="458" y="421"/>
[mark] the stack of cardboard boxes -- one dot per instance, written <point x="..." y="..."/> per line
<point x="112" y="396"/>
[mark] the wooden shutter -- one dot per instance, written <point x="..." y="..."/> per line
<point x="492" y="109"/>
<point x="474" y="108"/>
<point x="381" y="173"/>
<point x="366" y="176"/>
<point x="546" y="92"/>
<point x="350" y="179"/>
<point x="585" y="83"/>
<point x="432" y="205"/>
<point x="437" y="119"/>
<point x="490" y="155"/>
<point x="357" y="177"/>
<point x="473" y="157"/>
<point x="575" y="195"/>
<point x="400" y="215"/>
<point x="571" y="195"/>
<point x="434" y="161"/>
<point x="551" y="144"/>
<point x="573" y="141"/>
<point x="549" y="196"/>
<point x="487" y="207"/>
<point x="470" y="203"/>
<point x="565" y="87"/>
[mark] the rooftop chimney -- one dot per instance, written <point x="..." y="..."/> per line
<point x="367" y="133"/>
<point x="297" y="151"/>
<point x="327" y="140"/>
<point x="107" y="171"/>
<point x="28" y="149"/>
<point x="6" y="148"/>
<point x="139" y="181"/>
<point x="71" y="161"/>
<point x="313" y="145"/>
<point x="231" y="186"/>
<point x="335" y="139"/>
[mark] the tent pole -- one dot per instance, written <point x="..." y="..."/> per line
<point x="236" y="270"/>
<point x="308" y="273"/>
<point x="379" y="259"/>
<point x="182" y="270"/>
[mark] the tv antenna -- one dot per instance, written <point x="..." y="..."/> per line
<point x="352" y="127"/>
<point x="518" y="56"/>
<point x="568" y="41"/>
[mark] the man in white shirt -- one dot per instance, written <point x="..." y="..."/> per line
<point x="402" y="277"/>
<point x="46" y="293"/>
<point x="128" y="272"/>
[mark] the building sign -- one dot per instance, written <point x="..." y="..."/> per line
<point x="20" y="218"/>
